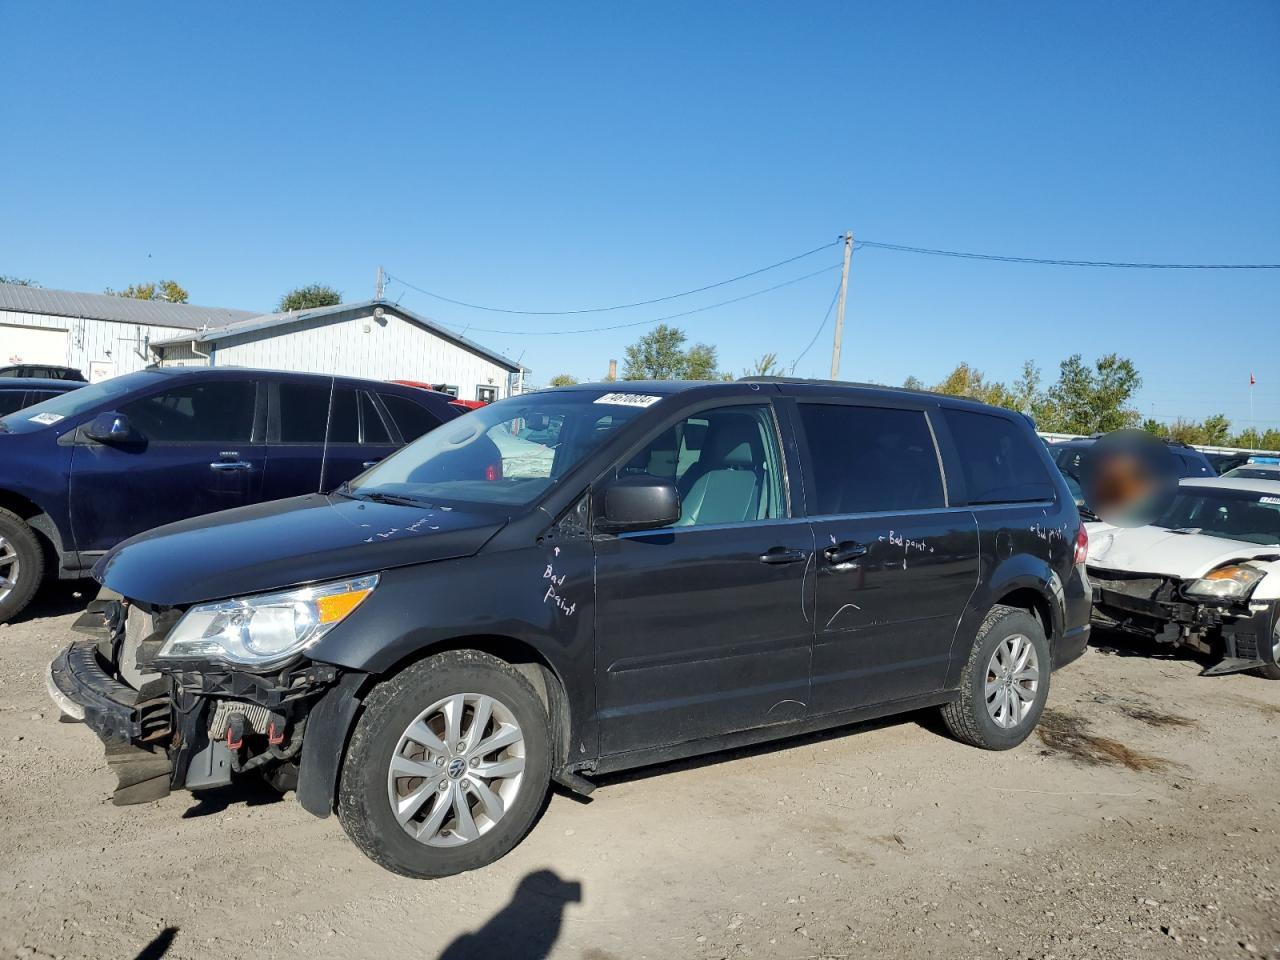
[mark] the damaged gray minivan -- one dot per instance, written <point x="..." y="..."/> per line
<point x="579" y="581"/>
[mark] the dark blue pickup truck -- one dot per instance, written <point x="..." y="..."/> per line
<point x="85" y="470"/>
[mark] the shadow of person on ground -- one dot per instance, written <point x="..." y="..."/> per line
<point x="527" y="927"/>
<point x="159" y="945"/>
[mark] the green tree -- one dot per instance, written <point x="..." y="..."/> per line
<point x="913" y="383"/>
<point x="660" y="355"/>
<point x="563" y="380"/>
<point x="700" y="363"/>
<point x="965" y="381"/>
<point x="766" y="366"/>
<point x="169" y="291"/>
<point x="1091" y="400"/>
<point x="1155" y="427"/>
<point x="18" y="281"/>
<point x="311" y="296"/>
<point x="1216" y="430"/>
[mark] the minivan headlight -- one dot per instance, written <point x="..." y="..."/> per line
<point x="1235" y="581"/>
<point x="267" y="629"/>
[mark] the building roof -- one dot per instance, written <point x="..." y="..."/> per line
<point x="101" y="306"/>
<point x="270" y="321"/>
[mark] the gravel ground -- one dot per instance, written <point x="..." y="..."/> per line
<point x="1141" y="821"/>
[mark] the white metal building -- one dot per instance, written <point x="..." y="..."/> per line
<point x="100" y="335"/>
<point x="374" y="339"/>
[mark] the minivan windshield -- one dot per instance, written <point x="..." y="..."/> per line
<point x="508" y="453"/>
<point x="49" y="412"/>
<point x="1252" y="517"/>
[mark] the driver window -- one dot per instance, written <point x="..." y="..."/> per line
<point x="725" y="464"/>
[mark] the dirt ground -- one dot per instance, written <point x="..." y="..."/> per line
<point x="1141" y="822"/>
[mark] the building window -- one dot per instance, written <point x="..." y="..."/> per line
<point x="486" y="394"/>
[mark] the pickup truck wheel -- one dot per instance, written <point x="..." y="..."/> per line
<point x="21" y="565"/>
<point x="1005" y="682"/>
<point x="448" y="767"/>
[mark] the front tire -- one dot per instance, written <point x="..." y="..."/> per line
<point x="1271" y="671"/>
<point x="448" y="767"/>
<point x="1005" y="683"/>
<point x="21" y="565"/>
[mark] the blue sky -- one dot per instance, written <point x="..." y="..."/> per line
<point x="550" y="157"/>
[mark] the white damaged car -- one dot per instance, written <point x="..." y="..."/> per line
<point x="1204" y="574"/>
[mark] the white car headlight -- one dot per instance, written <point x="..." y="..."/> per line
<point x="1233" y="582"/>
<point x="262" y="630"/>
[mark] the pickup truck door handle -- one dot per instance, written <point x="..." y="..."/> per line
<point x="844" y="551"/>
<point x="783" y="555"/>
<point x="224" y="465"/>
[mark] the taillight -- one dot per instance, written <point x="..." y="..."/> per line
<point x="1082" y="545"/>
<point x="493" y="471"/>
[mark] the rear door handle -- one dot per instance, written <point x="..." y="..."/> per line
<point x="844" y="552"/>
<point x="224" y="465"/>
<point x="783" y="555"/>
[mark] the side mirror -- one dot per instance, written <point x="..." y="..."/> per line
<point x="110" y="427"/>
<point x="640" y="502"/>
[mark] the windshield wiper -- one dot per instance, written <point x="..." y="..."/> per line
<point x="399" y="499"/>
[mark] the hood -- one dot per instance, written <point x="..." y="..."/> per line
<point x="1161" y="551"/>
<point x="269" y="546"/>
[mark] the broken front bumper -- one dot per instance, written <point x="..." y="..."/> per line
<point x="1238" y="633"/>
<point x="82" y="689"/>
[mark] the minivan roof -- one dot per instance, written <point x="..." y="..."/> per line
<point x="870" y="390"/>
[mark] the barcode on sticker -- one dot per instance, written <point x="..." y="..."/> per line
<point x="629" y="399"/>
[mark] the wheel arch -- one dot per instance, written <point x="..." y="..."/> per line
<point x="39" y="520"/>
<point x="323" y="757"/>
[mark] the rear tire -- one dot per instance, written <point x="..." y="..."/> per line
<point x="1005" y="682"/>
<point x="21" y="565"/>
<point x="463" y="806"/>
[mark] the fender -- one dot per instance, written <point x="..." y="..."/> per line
<point x="533" y="607"/>
<point x="1020" y="572"/>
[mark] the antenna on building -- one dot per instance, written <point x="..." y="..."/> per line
<point x="380" y="285"/>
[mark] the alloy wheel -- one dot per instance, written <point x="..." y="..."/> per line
<point x="10" y="567"/>
<point x="1013" y="677"/>
<point x="456" y="769"/>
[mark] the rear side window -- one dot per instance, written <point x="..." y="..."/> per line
<point x="871" y="459"/>
<point x="412" y="419"/>
<point x="304" y="412"/>
<point x="375" y="431"/>
<point x="344" y="425"/>
<point x="219" y="411"/>
<point x="998" y="459"/>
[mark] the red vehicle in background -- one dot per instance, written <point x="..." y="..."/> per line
<point x="439" y="388"/>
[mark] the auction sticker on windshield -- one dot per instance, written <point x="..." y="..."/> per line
<point x="47" y="418"/>
<point x="628" y="399"/>
<point x="1275" y="500"/>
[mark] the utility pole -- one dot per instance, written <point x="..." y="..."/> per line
<point x="844" y="289"/>
<point x="380" y="285"/>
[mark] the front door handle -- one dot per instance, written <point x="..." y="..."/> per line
<point x="844" y="552"/>
<point x="224" y="465"/>
<point x="783" y="555"/>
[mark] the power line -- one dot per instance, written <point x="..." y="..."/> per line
<point x="900" y="248"/>
<point x="617" y="306"/>
<point x="817" y="333"/>
<point x="653" y="320"/>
